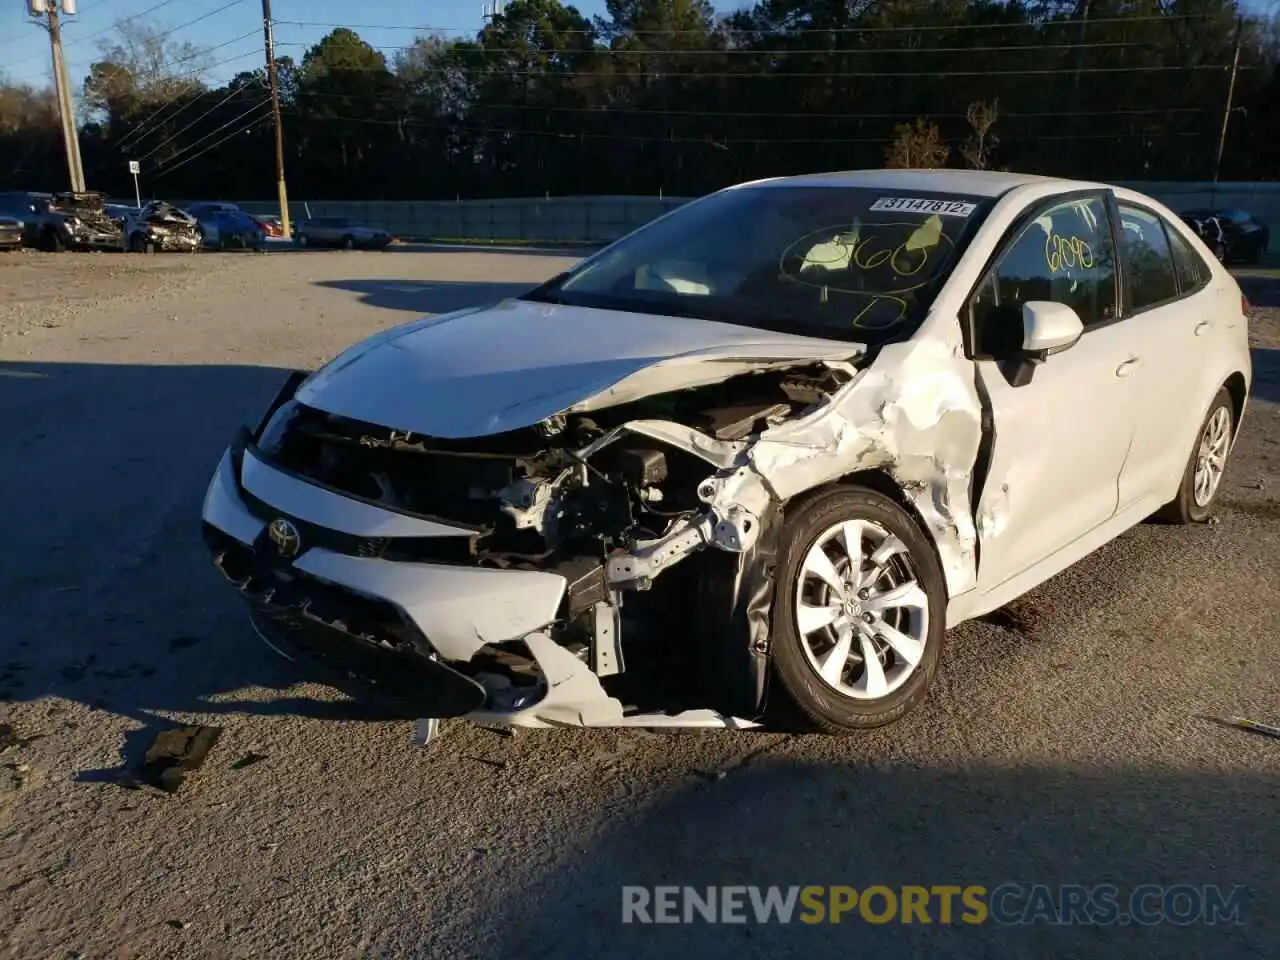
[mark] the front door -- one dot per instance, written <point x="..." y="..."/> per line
<point x="1059" y="441"/>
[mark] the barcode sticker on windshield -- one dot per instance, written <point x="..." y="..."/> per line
<point x="945" y="208"/>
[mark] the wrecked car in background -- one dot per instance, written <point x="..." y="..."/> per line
<point x="161" y="226"/>
<point x="749" y="462"/>
<point x="77" y="221"/>
<point x="11" y="230"/>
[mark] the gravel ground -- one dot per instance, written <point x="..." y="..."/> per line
<point x="1060" y="745"/>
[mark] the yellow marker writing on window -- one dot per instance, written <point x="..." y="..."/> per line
<point x="1063" y="253"/>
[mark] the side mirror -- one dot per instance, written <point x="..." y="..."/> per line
<point x="1049" y="327"/>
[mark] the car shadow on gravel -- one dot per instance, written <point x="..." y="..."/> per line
<point x="1261" y="291"/>
<point x="427" y="296"/>
<point x="107" y="593"/>
<point x="1266" y="374"/>
<point x="799" y="823"/>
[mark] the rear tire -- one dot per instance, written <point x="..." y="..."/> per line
<point x="889" y="610"/>
<point x="1202" y="479"/>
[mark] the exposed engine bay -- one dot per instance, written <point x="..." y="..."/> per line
<point x="78" y="220"/>
<point x="610" y="500"/>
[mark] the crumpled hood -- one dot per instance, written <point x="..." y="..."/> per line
<point x="489" y="370"/>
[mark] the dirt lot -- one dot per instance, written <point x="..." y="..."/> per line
<point x="1060" y="746"/>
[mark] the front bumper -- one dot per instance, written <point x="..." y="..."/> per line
<point x="92" y="239"/>
<point x="458" y="609"/>
<point x="410" y="629"/>
<point x="183" y="242"/>
<point x="10" y="237"/>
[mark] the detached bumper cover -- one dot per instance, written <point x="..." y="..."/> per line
<point x="359" y="638"/>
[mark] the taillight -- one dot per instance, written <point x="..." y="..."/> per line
<point x="1244" y="305"/>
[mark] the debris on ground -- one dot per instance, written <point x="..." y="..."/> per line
<point x="248" y="759"/>
<point x="1243" y="723"/>
<point x="175" y="753"/>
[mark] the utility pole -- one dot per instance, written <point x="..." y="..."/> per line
<point x="62" y="86"/>
<point x="268" y="34"/>
<point x="1231" y="93"/>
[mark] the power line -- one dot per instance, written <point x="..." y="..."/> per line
<point x="236" y="91"/>
<point x="608" y="109"/>
<point x="213" y="146"/>
<point x="776" y="74"/>
<point x="123" y="20"/>
<point x="620" y="53"/>
<point x="116" y="24"/>
<point x="234" y="120"/>
<point x="136" y="133"/>
<point x="712" y="141"/>
<point x="713" y="30"/>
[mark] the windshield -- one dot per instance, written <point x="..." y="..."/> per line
<point x="847" y="263"/>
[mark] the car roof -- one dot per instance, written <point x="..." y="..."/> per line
<point x="984" y="183"/>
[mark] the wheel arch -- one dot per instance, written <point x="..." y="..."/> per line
<point x="1238" y="391"/>
<point x="883" y="483"/>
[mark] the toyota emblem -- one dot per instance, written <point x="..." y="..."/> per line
<point x="285" y="536"/>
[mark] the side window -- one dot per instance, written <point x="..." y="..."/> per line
<point x="1063" y="255"/>
<point x="1193" y="273"/>
<point x="1149" y="276"/>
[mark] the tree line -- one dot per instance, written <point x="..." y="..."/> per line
<point x="669" y="96"/>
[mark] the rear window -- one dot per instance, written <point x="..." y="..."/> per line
<point x="1148" y="265"/>
<point x="1193" y="272"/>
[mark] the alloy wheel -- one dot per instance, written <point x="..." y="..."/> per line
<point x="862" y="616"/>
<point x="1211" y="458"/>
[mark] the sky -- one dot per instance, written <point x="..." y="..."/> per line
<point x="233" y="26"/>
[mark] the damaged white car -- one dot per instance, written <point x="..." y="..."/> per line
<point x="749" y="462"/>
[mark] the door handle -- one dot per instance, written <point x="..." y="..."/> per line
<point x="1128" y="366"/>
<point x="1202" y="328"/>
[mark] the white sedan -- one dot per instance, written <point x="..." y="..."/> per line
<point x="748" y="464"/>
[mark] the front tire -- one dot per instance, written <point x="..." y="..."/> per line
<point x="1202" y="479"/>
<point x="859" y="615"/>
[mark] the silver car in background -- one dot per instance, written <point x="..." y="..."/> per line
<point x="340" y="232"/>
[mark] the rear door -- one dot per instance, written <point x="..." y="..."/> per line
<point x="1059" y="440"/>
<point x="1168" y="301"/>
